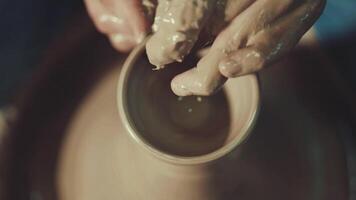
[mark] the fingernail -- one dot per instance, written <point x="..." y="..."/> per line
<point x="112" y="19"/>
<point x="122" y="42"/>
<point x="110" y="24"/>
<point x="157" y="56"/>
<point x="230" y="68"/>
<point x="179" y="89"/>
<point x="119" y="38"/>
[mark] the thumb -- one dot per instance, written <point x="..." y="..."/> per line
<point x="177" y="25"/>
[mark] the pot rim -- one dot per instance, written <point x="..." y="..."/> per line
<point x="171" y="158"/>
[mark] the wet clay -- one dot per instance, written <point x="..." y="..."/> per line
<point x="177" y="26"/>
<point x="262" y="33"/>
<point x="183" y="126"/>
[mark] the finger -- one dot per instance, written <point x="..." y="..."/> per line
<point x="255" y="18"/>
<point x="271" y="43"/>
<point x="135" y="14"/>
<point x="122" y="43"/>
<point x="242" y="62"/>
<point x="105" y="20"/>
<point x="205" y="79"/>
<point x="177" y="27"/>
<point x="114" y="17"/>
<point x="200" y="80"/>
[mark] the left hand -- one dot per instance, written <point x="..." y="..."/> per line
<point x="124" y="22"/>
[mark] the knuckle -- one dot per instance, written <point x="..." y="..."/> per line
<point x="210" y="88"/>
<point x="229" y="74"/>
<point x="260" y="59"/>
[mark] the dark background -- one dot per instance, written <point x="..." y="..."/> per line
<point x="27" y="26"/>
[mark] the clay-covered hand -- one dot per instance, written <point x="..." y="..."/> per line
<point x="125" y="22"/>
<point x="246" y="36"/>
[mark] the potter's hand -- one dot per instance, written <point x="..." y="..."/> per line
<point x="125" y="22"/>
<point x="251" y="34"/>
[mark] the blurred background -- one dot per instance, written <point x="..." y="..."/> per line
<point x="27" y="27"/>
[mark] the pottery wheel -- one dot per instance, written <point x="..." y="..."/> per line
<point x="293" y="153"/>
<point x="290" y="155"/>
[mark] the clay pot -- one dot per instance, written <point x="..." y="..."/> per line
<point x="111" y="154"/>
<point x="168" y="146"/>
<point x="185" y="147"/>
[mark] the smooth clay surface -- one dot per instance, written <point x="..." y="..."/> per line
<point x="186" y="126"/>
<point x="287" y="156"/>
